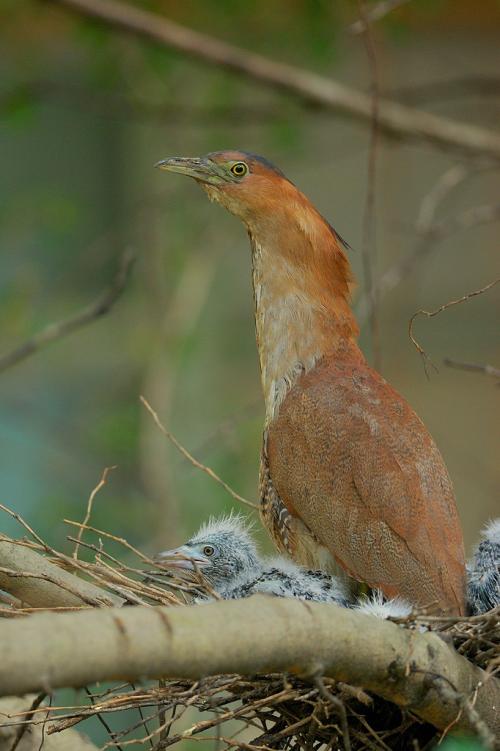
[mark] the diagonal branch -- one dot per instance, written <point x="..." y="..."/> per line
<point x="473" y="367"/>
<point x="310" y="87"/>
<point x="255" y="635"/>
<point x="55" y="331"/>
<point x="191" y="458"/>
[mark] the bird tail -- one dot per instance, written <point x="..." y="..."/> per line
<point x="483" y="571"/>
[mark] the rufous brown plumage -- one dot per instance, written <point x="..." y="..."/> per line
<point x="350" y="477"/>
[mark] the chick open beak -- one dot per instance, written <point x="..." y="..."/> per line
<point x="182" y="558"/>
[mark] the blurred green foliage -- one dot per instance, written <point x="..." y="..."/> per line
<point x="462" y="744"/>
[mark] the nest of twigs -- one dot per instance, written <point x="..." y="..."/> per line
<point x="256" y="713"/>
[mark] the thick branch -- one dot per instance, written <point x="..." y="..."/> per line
<point x="259" y="634"/>
<point x="33" y="579"/>
<point x="315" y="89"/>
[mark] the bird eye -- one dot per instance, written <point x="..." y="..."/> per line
<point x="239" y="169"/>
<point x="208" y="550"/>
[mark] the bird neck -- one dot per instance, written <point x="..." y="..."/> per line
<point x="301" y="283"/>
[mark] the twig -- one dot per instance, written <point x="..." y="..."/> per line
<point x="191" y="458"/>
<point x="29" y="714"/>
<point x="446" y="182"/>
<point x="375" y="14"/>
<point x="44" y="723"/>
<point x="55" y="331"/>
<point x="339" y="706"/>
<point x="310" y="87"/>
<point x="101" y="719"/>
<point x="432" y="313"/>
<point x="369" y="223"/>
<point x="474" y="367"/>
<point x="101" y="483"/>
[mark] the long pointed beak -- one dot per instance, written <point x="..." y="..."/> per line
<point x="190" y="166"/>
<point x="182" y="558"/>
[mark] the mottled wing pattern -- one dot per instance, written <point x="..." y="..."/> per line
<point x="288" y="531"/>
<point x="376" y="492"/>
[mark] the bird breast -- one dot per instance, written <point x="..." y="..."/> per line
<point x="289" y="327"/>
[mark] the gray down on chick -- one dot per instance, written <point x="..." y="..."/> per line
<point x="225" y="553"/>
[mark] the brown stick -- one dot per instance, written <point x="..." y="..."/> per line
<point x="394" y="118"/>
<point x="58" y="330"/>
<point x="194" y="461"/>
<point x="90" y="503"/>
<point x="258" y="634"/>
<point x="432" y="313"/>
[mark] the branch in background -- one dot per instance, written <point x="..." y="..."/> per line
<point x="453" y="88"/>
<point x="194" y="461"/>
<point x="375" y="14"/>
<point x="394" y="118"/>
<point x="58" y="330"/>
<point x="473" y="367"/>
<point x="433" y="231"/>
<point x="369" y="246"/>
<point x="432" y="313"/>
<point x="242" y="637"/>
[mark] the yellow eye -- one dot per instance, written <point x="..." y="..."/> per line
<point x="239" y="169"/>
<point x="208" y="550"/>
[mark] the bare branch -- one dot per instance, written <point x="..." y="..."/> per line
<point x="90" y="503"/>
<point x="394" y="118"/>
<point x="432" y="313"/>
<point x="375" y="13"/>
<point x="185" y="642"/>
<point x="194" y="461"/>
<point x="58" y="330"/>
<point x="432" y="231"/>
<point x="474" y="367"/>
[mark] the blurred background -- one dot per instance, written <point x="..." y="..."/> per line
<point x="86" y="111"/>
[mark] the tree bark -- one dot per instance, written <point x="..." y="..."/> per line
<point x="259" y="634"/>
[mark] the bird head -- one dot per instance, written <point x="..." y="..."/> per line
<point x="245" y="184"/>
<point x="222" y="550"/>
<point x="300" y="251"/>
